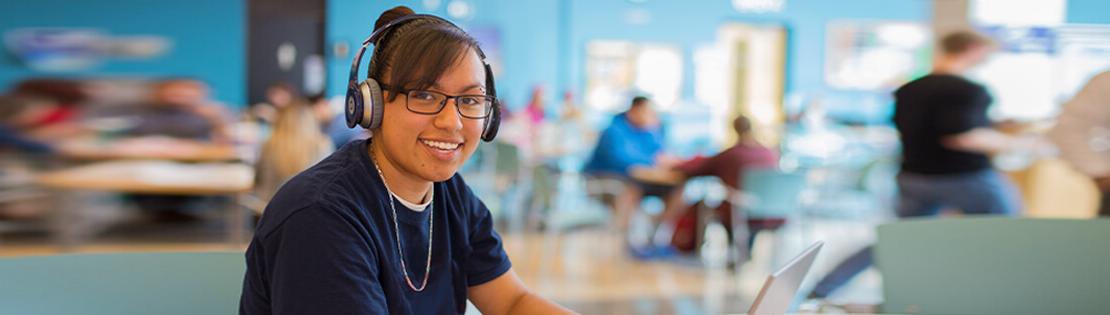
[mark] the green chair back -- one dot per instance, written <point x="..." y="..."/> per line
<point x="117" y="284"/>
<point x="995" y="265"/>
<point x="772" y="193"/>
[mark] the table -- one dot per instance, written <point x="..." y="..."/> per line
<point x="147" y="147"/>
<point x="151" y="177"/>
<point x="654" y="175"/>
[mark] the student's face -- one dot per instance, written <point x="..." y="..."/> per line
<point x="405" y="136"/>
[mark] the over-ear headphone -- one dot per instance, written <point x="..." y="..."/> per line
<point x="365" y="101"/>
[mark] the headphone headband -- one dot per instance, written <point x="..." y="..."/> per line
<point x="382" y="31"/>
<point x="369" y="93"/>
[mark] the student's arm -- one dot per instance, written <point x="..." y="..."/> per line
<point x="507" y="295"/>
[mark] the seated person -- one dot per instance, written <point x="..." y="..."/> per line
<point x="13" y="137"/>
<point x="333" y="122"/>
<point x="178" y="108"/>
<point x="278" y="96"/>
<point x="633" y="139"/>
<point x="45" y="110"/>
<point x="295" y="144"/>
<point x="728" y="166"/>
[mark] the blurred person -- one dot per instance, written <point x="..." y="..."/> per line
<point x="333" y="122"/>
<point x="387" y="225"/>
<point x="534" y="112"/>
<point x="179" y="108"/>
<point x="51" y="108"/>
<point x="946" y="138"/>
<point x="278" y="96"/>
<point x="295" y="144"/>
<point x="532" y="118"/>
<point x="633" y="139"/>
<point x="524" y="129"/>
<point x="1082" y="133"/>
<point x="565" y="136"/>
<point x="570" y="111"/>
<point x="728" y="166"/>
<point x="12" y="137"/>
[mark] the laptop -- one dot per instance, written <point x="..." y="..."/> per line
<point x="782" y="286"/>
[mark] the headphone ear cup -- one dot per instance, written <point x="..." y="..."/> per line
<point x="493" y="123"/>
<point x="354" y="109"/>
<point x="372" y="113"/>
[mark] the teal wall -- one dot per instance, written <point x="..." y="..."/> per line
<point x="1089" y="11"/>
<point x="543" y="41"/>
<point x="208" y="36"/>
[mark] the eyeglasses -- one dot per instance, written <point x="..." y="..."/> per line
<point x="431" y="103"/>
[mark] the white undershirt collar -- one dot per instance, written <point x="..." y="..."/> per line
<point x="414" y="206"/>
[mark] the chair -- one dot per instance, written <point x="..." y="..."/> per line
<point x="769" y="195"/>
<point x="131" y="283"/>
<point x="994" y="265"/>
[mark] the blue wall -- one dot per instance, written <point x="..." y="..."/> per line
<point x="690" y="25"/>
<point x="543" y="42"/>
<point x="208" y="38"/>
<point x="528" y="31"/>
<point x="1088" y="11"/>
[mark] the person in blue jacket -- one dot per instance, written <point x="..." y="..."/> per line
<point x="634" y="139"/>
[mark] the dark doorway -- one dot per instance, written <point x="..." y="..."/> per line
<point x="285" y="45"/>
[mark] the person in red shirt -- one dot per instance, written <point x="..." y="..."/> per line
<point x="728" y="166"/>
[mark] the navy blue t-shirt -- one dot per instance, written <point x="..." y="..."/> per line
<point x="327" y="245"/>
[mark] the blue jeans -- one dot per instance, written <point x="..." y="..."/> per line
<point x="986" y="192"/>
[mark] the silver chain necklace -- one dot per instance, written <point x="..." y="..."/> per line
<point x="397" y="232"/>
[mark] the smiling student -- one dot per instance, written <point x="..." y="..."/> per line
<point x="386" y="225"/>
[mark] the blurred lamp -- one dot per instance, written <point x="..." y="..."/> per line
<point x="758" y="6"/>
<point x="431" y="5"/>
<point x="460" y="9"/>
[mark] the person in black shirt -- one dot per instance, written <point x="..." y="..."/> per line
<point x="946" y="137"/>
<point x="386" y="225"/>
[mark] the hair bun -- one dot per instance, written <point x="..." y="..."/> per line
<point x="392" y="15"/>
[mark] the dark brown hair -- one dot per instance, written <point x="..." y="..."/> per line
<point x="742" y="125"/>
<point x="639" y="101"/>
<point x="959" y="42"/>
<point x="65" y="92"/>
<point x="415" y="54"/>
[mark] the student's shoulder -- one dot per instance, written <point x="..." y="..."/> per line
<point x="324" y="189"/>
<point x="456" y="188"/>
<point x="456" y="185"/>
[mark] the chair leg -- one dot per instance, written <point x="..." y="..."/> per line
<point x="740" y="238"/>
